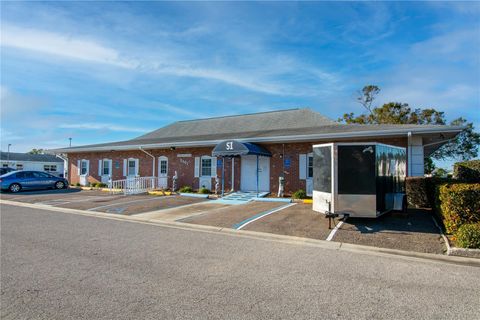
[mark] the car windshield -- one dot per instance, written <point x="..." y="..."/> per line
<point x="7" y="174"/>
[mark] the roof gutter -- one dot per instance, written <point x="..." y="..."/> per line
<point x="277" y="139"/>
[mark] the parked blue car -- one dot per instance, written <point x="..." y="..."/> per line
<point x="23" y="180"/>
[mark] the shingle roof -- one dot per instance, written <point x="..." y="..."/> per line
<point x="14" y="156"/>
<point x="283" y="123"/>
<point x="255" y="122"/>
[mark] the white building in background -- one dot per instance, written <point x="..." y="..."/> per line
<point x="37" y="162"/>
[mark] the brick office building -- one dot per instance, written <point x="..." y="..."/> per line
<point x="281" y="140"/>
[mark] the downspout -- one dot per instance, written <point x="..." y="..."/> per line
<point x="153" y="159"/>
<point x="409" y="154"/>
<point x="65" y="164"/>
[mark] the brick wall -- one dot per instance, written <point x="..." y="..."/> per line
<point x="185" y="166"/>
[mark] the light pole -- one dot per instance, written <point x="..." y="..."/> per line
<point x="70" y="145"/>
<point x="8" y="154"/>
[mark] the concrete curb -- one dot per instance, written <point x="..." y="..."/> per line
<point x="264" y="236"/>
<point x="464" y="252"/>
<point x="194" y="195"/>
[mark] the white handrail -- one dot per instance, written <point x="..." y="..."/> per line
<point x="133" y="185"/>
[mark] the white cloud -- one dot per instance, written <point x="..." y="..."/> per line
<point x="261" y="78"/>
<point x="60" y="45"/>
<point x="102" y="126"/>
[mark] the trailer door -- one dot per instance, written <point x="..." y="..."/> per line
<point x="323" y="178"/>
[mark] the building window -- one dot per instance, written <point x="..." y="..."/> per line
<point x="163" y="166"/>
<point x="19" y="166"/>
<point x="83" y="167"/>
<point x="106" y="167"/>
<point x="131" y="168"/>
<point x="50" y="168"/>
<point x="206" y="167"/>
<point x="310" y="166"/>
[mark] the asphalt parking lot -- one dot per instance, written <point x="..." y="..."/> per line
<point x="100" y="201"/>
<point x="230" y="217"/>
<point x="414" y="231"/>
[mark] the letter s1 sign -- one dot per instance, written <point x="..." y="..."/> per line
<point x="229" y="145"/>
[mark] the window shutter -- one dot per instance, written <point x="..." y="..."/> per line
<point x="214" y="167"/>
<point x="110" y="167"/>
<point x="78" y="167"/>
<point x="302" y="169"/>
<point x="137" y="167"/>
<point x="124" y="167"/>
<point x="100" y="171"/>
<point x="197" y="167"/>
<point x="88" y="167"/>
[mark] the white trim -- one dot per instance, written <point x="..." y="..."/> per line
<point x="213" y="166"/>
<point x="196" y="172"/>
<point x="109" y="167"/>
<point x="302" y="166"/>
<point x="275" y="139"/>
<point x="87" y="171"/>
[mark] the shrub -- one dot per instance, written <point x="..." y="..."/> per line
<point x="186" y="189"/>
<point x="417" y="192"/>
<point x="468" y="236"/>
<point x="101" y="185"/>
<point x="93" y="184"/>
<point x="203" y="190"/>
<point x="459" y="204"/>
<point x="468" y="171"/>
<point x="299" y="194"/>
<point x="78" y="184"/>
<point x="422" y="192"/>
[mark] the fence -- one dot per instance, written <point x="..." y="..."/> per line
<point x="133" y="185"/>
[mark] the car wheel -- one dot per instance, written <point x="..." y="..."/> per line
<point x="59" y="185"/>
<point x="15" y="187"/>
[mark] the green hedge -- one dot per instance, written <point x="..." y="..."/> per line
<point x="459" y="204"/>
<point x="417" y="192"/>
<point x="422" y="192"/>
<point x="468" y="171"/>
<point x="468" y="236"/>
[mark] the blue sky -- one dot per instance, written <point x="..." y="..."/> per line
<point x="104" y="71"/>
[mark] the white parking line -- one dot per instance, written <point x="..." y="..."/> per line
<point x="127" y="202"/>
<point x="332" y="234"/>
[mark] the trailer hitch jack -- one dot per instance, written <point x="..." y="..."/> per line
<point x="330" y="216"/>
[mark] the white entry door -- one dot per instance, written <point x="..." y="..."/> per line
<point x="248" y="175"/>
<point x="163" y="172"/>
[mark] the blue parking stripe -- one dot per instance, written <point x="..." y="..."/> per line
<point x="243" y="223"/>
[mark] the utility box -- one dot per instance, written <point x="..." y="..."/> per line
<point x="358" y="179"/>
